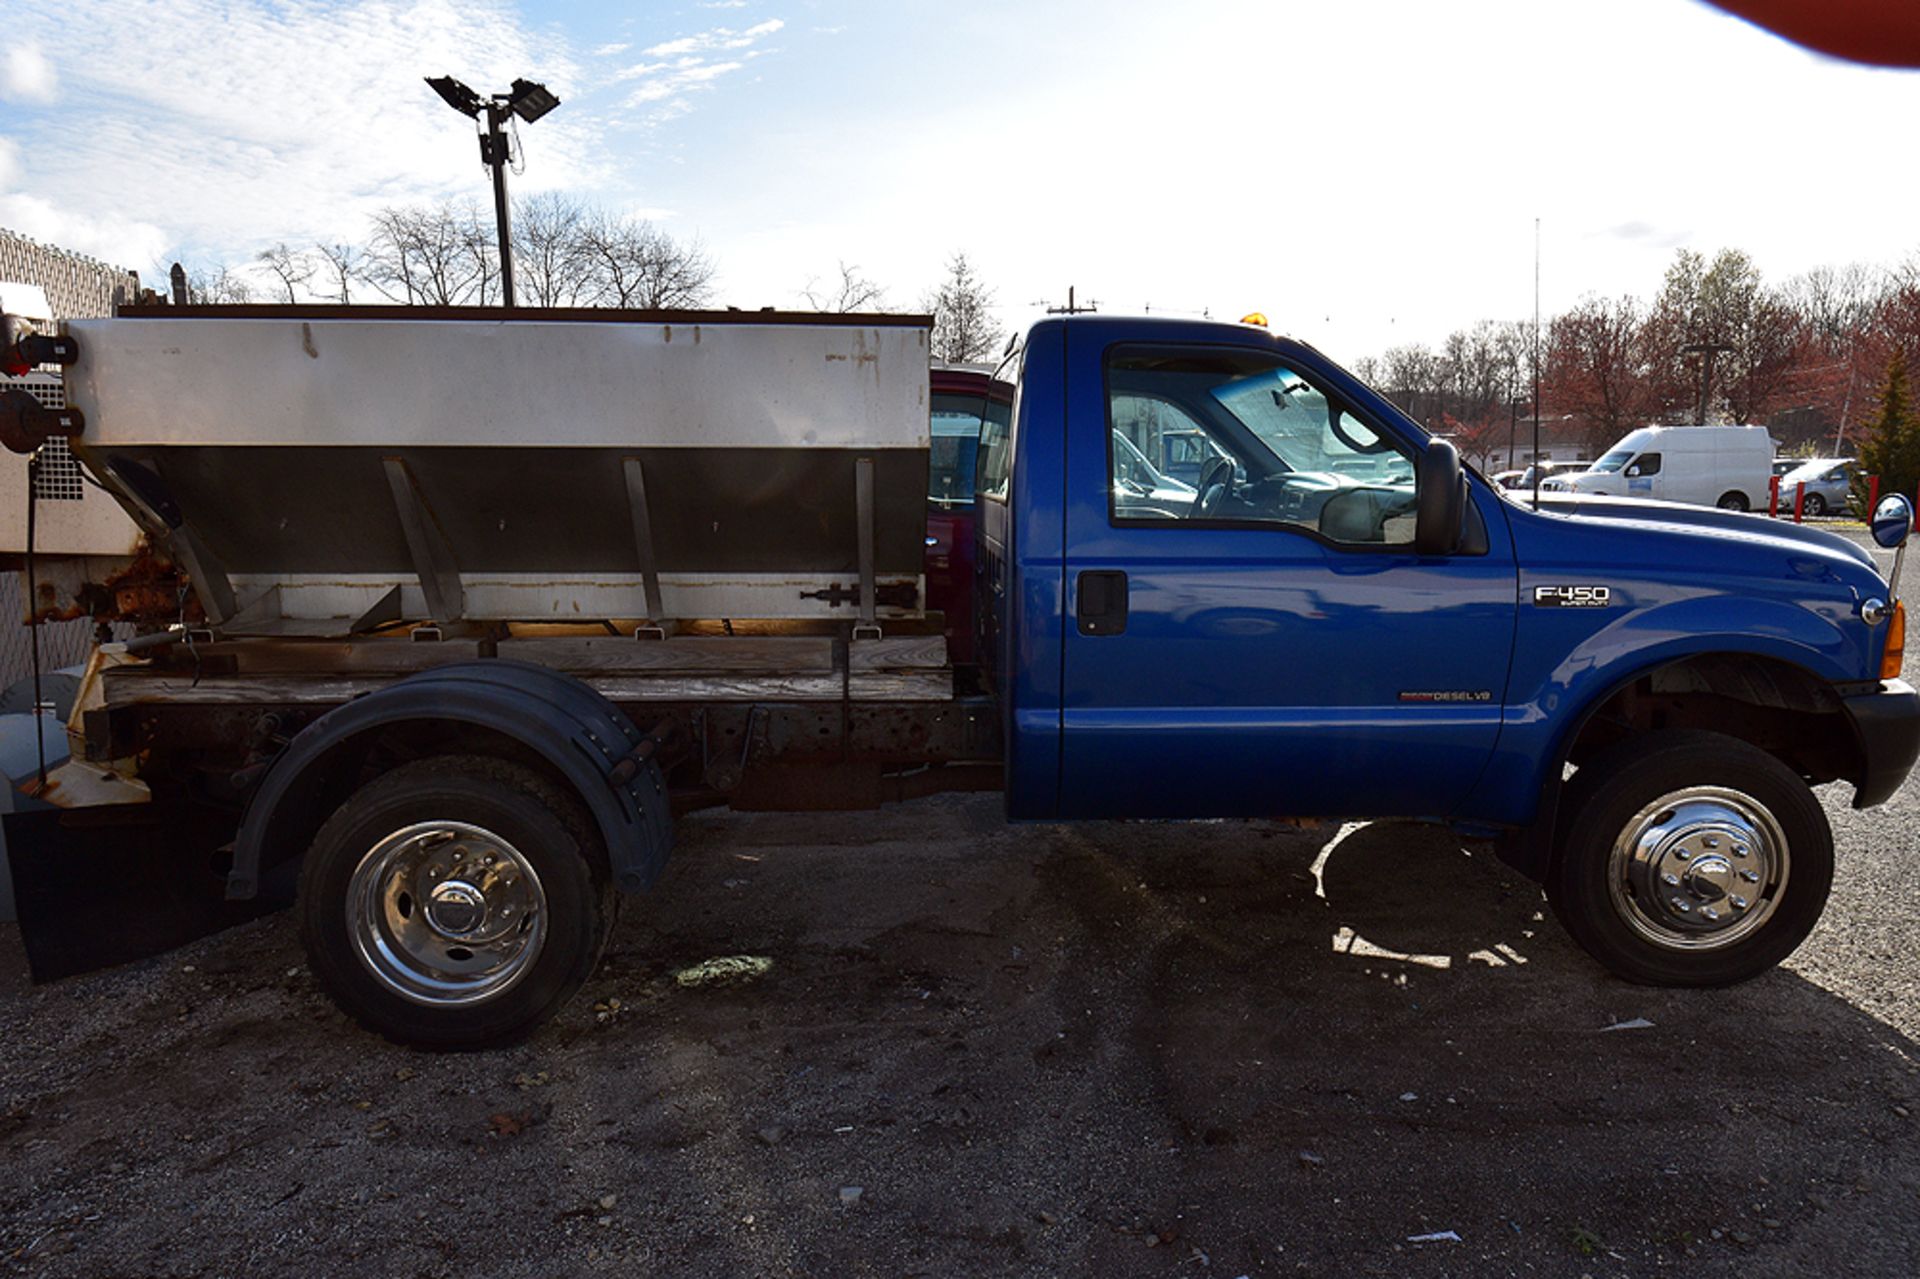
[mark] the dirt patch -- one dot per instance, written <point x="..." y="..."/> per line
<point x="1217" y="1049"/>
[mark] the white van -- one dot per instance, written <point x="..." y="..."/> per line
<point x="1724" y="466"/>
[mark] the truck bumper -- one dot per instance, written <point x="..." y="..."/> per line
<point x="1887" y="724"/>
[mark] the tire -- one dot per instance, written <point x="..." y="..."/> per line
<point x="1733" y="500"/>
<point x="1814" y="505"/>
<point x="417" y="947"/>
<point x="1744" y="838"/>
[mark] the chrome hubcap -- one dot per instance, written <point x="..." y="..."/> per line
<point x="446" y="913"/>
<point x="1699" y="868"/>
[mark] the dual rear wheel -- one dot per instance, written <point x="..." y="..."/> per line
<point x="455" y="902"/>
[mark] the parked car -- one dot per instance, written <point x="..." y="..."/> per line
<point x="1828" y="481"/>
<point x="1141" y="491"/>
<point x="1185" y="455"/>
<point x="1723" y="466"/>
<point x="1523" y="479"/>
<point x="963" y="400"/>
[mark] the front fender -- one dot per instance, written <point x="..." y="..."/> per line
<point x="1547" y="709"/>
<point x="567" y="724"/>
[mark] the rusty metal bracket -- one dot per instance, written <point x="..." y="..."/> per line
<point x="867" y="626"/>
<point x="432" y="557"/>
<point x="657" y="627"/>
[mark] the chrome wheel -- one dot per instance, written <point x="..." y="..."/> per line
<point x="444" y="913"/>
<point x="1698" y="869"/>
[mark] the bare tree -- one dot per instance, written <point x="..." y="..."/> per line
<point x="550" y="267"/>
<point x="1594" y="366"/>
<point x="855" y="293"/>
<point x="291" y="268"/>
<point x="221" y="285"/>
<point x="343" y="264"/>
<point x="963" y="325"/>
<point x="480" y="248"/>
<point x="1411" y="378"/>
<point x="425" y="255"/>
<point x="632" y="263"/>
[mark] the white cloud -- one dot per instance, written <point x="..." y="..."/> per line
<point x="27" y="76"/>
<point x="723" y="4"/>
<point x="720" y="38"/>
<point x="294" y="124"/>
<point x="682" y="66"/>
<point x="608" y="50"/>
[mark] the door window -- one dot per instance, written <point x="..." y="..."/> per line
<point x="958" y="423"/>
<point x="1266" y="444"/>
<point x="1644" y="465"/>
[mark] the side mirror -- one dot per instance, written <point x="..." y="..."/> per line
<point x="1892" y="520"/>
<point x="1442" y="500"/>
<point x="1633" y="472"/>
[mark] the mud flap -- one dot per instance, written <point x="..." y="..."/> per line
<point x="104" y="886"/>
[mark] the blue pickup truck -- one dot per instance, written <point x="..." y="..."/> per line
<point x="1334" y="619"/>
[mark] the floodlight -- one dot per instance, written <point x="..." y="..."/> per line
<point x="531" y="100"/>
<point x="457" y="95"/>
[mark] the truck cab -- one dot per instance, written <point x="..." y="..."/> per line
<point x="1344" y="622"/>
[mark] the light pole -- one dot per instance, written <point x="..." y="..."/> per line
<point x="528" y="100"/>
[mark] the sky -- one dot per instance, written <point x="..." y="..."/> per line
<point x="1366" y="173"/>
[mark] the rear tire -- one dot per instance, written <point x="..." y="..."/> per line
<point x="1733" y="500"/>
<point x="455" y="903"/>
<point x="1690" y="859"/>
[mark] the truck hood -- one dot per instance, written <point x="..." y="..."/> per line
<point x="1756" y="530"/>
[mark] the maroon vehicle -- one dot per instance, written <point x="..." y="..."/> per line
<point x="963" y="401"/>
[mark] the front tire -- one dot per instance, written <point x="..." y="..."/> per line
<point x="1690" y="859"/>
<point x="1814" y="505"/>
<point x="454" y="903"/>
<point x="1733" y="500"/>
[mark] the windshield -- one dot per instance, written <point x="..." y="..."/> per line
<point x="1819" y="470"/>
<point x="1304" y="433"/>
<point x="1614" y="460"/>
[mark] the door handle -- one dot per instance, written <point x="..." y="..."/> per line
<point x="1102" y="606"/>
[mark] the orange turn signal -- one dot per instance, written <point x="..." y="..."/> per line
<point x="1895" y="652"/>
<point x="1256" y="318"/>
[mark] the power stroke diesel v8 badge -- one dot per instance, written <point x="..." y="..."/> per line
<point x="1572" y="596"/>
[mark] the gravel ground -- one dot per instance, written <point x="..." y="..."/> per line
<point x="1219" y="1049"/>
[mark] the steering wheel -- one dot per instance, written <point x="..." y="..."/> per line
<point x="1216" y="483"/>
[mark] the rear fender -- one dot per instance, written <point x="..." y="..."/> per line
<point x="568" y="725"/>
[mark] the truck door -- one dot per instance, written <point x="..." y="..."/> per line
<point x="1270" y="644"/>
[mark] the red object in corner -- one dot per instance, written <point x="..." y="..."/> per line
<point x="1883" y="33"/>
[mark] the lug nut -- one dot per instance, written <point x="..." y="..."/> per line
<point x="1709" y="914"/>
<point x="1711" y="842"/>
<point x="1739" y="850"/>
<point x="1681" y="906"/>
<point x="1751" y="876"/>
<point x="1737" y="902"/>
<point x="1670" y="879"/>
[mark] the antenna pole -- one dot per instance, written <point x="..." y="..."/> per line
<point x="1536" y="364"/>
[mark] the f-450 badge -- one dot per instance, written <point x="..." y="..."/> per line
<point x="1572" y="596"/>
